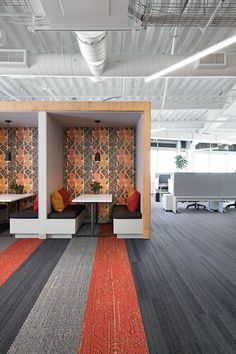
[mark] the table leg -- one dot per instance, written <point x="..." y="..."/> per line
<point x="92" y="219"/>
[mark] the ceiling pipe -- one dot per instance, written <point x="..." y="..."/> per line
<point x="93" y="47"/>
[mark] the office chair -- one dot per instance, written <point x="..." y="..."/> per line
<point x="196" y="206"/>
<point x="231" y="205"/>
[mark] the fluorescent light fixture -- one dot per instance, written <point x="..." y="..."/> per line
<point x="225" y="43"/>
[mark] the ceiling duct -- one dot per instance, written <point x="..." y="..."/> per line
<point x="93" y="47"/>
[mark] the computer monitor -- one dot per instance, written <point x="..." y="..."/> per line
<point x="163" y="179"/>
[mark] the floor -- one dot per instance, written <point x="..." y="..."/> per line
<point x="173" y="294"/>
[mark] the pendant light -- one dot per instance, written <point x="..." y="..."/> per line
<point x="8" y="156"/>
<point x="97" y="155"/>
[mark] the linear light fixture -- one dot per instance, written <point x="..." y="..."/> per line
<point x="223" y="44"/>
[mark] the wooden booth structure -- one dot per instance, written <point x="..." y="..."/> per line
<point x="67" y="142"/>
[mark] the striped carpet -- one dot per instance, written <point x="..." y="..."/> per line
<point x="174" y="294"/>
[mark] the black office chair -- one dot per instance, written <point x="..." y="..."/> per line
<point x="196" y="206"/>
<point x="231" y="205"/>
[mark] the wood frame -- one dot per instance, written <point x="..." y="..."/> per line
<point x="127" y="106"/>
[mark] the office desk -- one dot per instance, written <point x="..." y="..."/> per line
<point x="93" y="199"/>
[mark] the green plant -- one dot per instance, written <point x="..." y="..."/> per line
<point x="17" y="188"/>
<point x="181" y="162"/>
<point x="96" y="186"/>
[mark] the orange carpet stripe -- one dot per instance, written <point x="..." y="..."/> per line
<point x="105" y="230"/>
<point x="112" y="321"/>
<point x="13" y="256"/>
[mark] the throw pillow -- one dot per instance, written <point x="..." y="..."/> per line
<point x="133" y="201"/>
<point x="57" y="202"/>
<point x="36" y="203"/>
<point x="65" y="196"/>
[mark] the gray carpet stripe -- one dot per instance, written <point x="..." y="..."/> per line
<point x="6" y="242"/>
<point x="19" y="293"/>
<point x="54" y="324"/>
<point x="186" y="281"/>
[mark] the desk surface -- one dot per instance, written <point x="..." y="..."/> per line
<point x="93" y="198"/>
<point x="8" y="198"/>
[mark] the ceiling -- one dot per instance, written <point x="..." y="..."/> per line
<point x="87" y="119"/>
<point x="145" y="36"/>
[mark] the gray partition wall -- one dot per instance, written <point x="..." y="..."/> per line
<point x="218" y="185"/>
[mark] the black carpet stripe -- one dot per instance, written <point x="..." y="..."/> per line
<point x="21" y="290"/>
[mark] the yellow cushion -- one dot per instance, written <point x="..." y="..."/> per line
<point x="57" y="202"/>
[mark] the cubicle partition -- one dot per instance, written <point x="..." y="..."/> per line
<point x="189" y="186"/>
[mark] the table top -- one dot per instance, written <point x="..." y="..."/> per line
<point x="8" y="198"/>
<point x="93" y="198"/>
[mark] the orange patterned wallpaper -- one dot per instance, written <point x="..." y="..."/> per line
<point x="23" y="169"/>
<point x="115" y="171"/>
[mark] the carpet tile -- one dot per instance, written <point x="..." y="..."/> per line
<point x="19" y="293"/>
<point x="13" y="256"/>
<point x="112" y="322"/>
<point x="55" y="322"/>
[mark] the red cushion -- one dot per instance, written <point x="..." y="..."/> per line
<point x="65" y="196"/>
<point x="133" y="201"/>
<point x="36" y="203"/>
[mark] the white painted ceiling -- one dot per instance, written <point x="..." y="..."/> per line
<point x="19" y="119"/>
<point x="192" y="104"/>
<point x="87" y="119"/>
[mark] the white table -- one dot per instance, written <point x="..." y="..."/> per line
<point x="93" y="199"/>
<point x="10" y="198"/>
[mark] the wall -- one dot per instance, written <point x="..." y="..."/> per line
<point x="23" y="169"/>
<point x="139" y="164"/>
<point x="54" y="159"/>
<point x="115" y="171"/>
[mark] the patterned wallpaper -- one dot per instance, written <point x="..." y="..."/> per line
<point x="115" y="171"/>
<point x="23" y="169"/>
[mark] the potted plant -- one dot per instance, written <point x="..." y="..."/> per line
<point x="180" y="162"/>
<point x="96" y="187"/>
<point x="16" y="188"/>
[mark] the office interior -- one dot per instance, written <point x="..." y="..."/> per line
<point x="111" y="92"/>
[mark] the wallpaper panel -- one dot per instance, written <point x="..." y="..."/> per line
<point x="23" y="169"/>
<point x="115" y="171"/>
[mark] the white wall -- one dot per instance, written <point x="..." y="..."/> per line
<point x="54" y="158"/>
<point x="50" y="150"/>
<point x="139" y="158"/>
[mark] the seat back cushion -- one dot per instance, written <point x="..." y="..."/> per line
<point x="36" y="203"/>
<point x="133" y="201"/>
<point x="65" y="196"/>
<point x="57" y="202"/>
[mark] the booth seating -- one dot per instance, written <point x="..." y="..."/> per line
<point x="127" y="224"/>
<point x="28" y="213"/>
<point x="24" y="223"/>
<point x="66" y="223"/>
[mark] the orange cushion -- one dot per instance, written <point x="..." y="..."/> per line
<point x="133" y="201"/>
<point x="36" y="203"/>
<point x="65" y="196"/>
<point x="57" y="202"/>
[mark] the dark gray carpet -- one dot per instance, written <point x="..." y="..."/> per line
<point x="54" y="324"/>
<point x="85" y="230"/>
<point x="19" y="293"/>
<point x="6" y="242"/>
<point x="185" y="279"/>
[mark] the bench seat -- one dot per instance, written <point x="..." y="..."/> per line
<point x="66" y="223"/>
<point x="127" y="224"/>
<point x="28" y="213"/>
<point x="70" y="212"/>
<point x="122" y="212"/>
